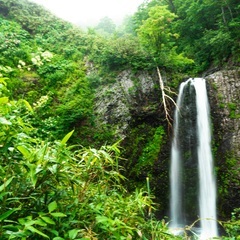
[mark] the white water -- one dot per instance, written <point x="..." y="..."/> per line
<point x="175" y="176"/>
<point x="207" y="186"/>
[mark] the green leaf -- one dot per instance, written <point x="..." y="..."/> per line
<point x="40" y="222"/>
<point x="34" y="230"/>
<point x="24" y="151"/>
<point x="103" y="219"/>
<point x="2" y="80"/>
<point x="8" y="213"/>
<point x="52" y="206"/>
<point x="28" y="222"/>
<point x="48" y="220"/>
<point x="23" y="221"/>
<point x="4" y="194"/>
<point x="73" y="233"/>
<point x="66" y="138"/>
<point x="58" y="214"/>
<point x="11" y="228"/>
<point x="53" y="168"/>
<point x="16" y="234"/>
<point x="32" y="172"/>
<point x="58" y="238"/>
<point x="4" y="185"/>
<point x="4" y="121"/>
<point x="28" y="106"/>
<point x="3" y="100"/>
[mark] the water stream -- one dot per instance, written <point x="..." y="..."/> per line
<point x="193" y="188"/>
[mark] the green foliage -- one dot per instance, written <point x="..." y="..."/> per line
<point x="48" y="190"/>
<point x="233" y="111"/>
<point x="157" y="36"/>
<point x="138" y="137"/>
<point x="228" y="186"/>
<point x="127" y="26"/>
<point x="107" y="25"/>
<point x="206" y="32"/>
<point x="151" y="151"/>
<point x="232" y="227"/>
<point x="146" y="144"/>
<point x="56" y="72"/>
<point x="116" y="53"/>
<point x="14" y="43"/>
<point x="155" y="32"/>
<point x="40" y="54"/>
<point x="143" y="12"/>
<point x="76" y="104"/>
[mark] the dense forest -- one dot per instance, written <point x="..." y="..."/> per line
<point x="64" y="175"/>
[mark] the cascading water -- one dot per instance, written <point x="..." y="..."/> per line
<point x="193" y="189"/>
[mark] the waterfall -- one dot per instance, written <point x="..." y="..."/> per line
<point x="193" y="188"/>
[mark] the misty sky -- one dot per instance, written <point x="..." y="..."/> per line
<point x="89" y="12"/>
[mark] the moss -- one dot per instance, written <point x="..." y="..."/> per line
<point x="220" y="96"/>
<point x="228" y="184"/>
<point x="215" y="87"/>
<point x="142" y="153"/>
<point x="233" y="111"/>
<point x="151" y="151"/>
<point x="222" y="105"/>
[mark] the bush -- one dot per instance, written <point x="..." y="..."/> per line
<point x="232" y="227"/>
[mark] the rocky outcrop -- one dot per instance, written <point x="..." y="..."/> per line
<point x="132" y="106"/>
<point x="224" y="94"/>
<point x="130" y="97"/>
<point x="225" y="102"/>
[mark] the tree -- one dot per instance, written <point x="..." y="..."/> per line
<point x="107" y="25"/>
<point x="127" y="26"/>
<point x="209" y="30"/>
<point x="157" y="36"/>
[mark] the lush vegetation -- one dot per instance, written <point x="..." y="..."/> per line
<point x="51" y="190"/>
<point x="59" y="179"/>
<point x="48" y="190"/>
<point x="206" y="31"/>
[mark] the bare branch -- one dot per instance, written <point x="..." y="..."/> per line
<point x="169" y="90"/>
<point x="165" y="97"/>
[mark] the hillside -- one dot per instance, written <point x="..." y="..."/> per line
<point x="85" y="138"/>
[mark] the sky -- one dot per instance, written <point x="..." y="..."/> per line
<point x="89" y="12"/>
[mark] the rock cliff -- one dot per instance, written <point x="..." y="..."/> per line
<point x="132" y="106"/>
<point x="224" y="95"/>
<point x="129" y="98"/>
<point x="226" y="106"/>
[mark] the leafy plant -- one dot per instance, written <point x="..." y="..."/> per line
<point x="232" y="227"/>
<point x="158" y="37"/>
<point x="151" y="150"/>
<point x="49" y="190"/>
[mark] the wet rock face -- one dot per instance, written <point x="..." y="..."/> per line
<point x="224" y="96"/>
<point x="121" y="102"/>
<point x="225" y="105"/>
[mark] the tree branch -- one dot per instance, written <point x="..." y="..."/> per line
<point x="165" y="97"/>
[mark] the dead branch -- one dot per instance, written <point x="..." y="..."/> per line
<point x="165" y="97"/>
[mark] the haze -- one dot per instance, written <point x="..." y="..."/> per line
<point x="89" y="12"/>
